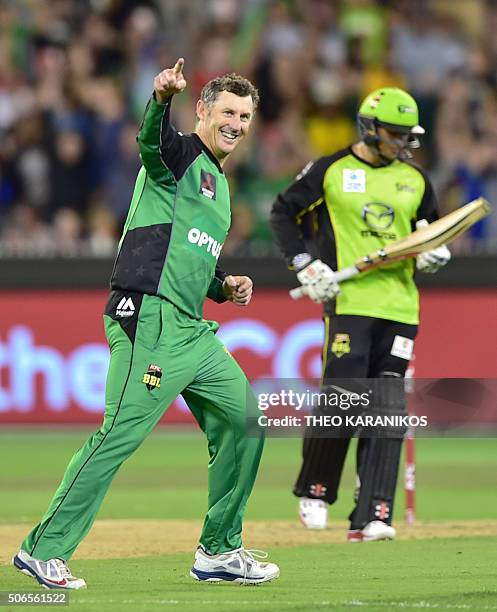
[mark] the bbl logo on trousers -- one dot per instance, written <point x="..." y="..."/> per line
<point x="152" y="377"/>
<point x="341" y="345"/>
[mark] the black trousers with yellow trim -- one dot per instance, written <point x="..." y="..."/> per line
<point x="358" y="347"/>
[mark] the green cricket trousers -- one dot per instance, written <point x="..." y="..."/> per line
<point x="158" y="352"/>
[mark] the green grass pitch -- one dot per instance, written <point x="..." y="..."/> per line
<point x="166" y="479"/>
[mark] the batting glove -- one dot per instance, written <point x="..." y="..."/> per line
<point x="431" y="261"/>
<point x="319" y="282"/>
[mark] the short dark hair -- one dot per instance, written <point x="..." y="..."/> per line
<point x="234" y="83"/>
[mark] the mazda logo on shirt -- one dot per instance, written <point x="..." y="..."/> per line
<point x="378" y="216"/>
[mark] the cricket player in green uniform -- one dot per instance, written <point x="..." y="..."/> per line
<point x="361" y="199"/>
<point x="160" y="345"/>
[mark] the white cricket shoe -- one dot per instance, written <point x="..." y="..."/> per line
<point x="51" y="574"/>
<point x="313" y="513"/>
<point x="373" y="531"/>
<point x="238" y="566"/>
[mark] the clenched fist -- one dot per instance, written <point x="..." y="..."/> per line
<point x="238" y="289"/>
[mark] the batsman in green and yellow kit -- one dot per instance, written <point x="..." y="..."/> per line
<point x="160" y="345"/>
<point x="360" y="199"/>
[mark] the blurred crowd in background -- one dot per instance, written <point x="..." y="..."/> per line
<point x="75" y="76"/>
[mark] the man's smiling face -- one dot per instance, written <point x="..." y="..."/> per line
<point x="223" y="124"/>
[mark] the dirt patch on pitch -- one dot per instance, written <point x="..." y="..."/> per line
<point x="140" y="538"/>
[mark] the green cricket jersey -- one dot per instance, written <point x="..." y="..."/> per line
<point x="178" y="219"/>
<point x="358" y="208"/>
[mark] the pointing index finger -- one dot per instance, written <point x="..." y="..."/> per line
<point x="178" y="67"/>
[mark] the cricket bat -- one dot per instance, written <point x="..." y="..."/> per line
<point x="424" y="239"/>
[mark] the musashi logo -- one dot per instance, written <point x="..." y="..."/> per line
<point x="152" y="377"/>
<point x="125" y="308"/>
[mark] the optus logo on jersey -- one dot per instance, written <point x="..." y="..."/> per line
<point x="202" y="239"/>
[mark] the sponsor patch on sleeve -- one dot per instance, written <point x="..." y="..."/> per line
<point x="402" y="347"/>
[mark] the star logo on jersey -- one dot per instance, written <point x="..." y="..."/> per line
<point x="207" y="185"/>
<point x="378" y="216"/>
<point x="340" y="345"/>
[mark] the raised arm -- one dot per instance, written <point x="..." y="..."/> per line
<point x="159" y="143"/>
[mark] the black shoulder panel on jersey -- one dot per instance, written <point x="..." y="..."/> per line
<point x="177" y="151"/>
<point x="428" y="207"/>
<point x="141" y="258"/>
<point x="302" y="196"/>
<point x="162" y="146"/>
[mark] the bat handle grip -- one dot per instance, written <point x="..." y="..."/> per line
<point x="346" y="273"/>
<point x="297" y="293"/>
